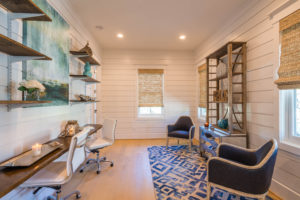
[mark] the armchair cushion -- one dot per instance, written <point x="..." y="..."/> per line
<point x="179" y="134"/>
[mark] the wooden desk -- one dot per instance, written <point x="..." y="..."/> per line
<point x="10" y="178"/>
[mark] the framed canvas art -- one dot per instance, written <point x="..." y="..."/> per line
<point x="52" y="39"/>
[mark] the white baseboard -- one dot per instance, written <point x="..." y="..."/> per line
<point x="141" y="136"/>
<point x="283" y="191"/>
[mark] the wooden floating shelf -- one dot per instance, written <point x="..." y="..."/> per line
<point x="14" y="48"/>
<point x="15" y="102"/>
<point x="79" y="101"/>
<point x="226" y="102"/>
<point x="85" y="57"/>
<point x="25" y="6"/>
<point x="85" y="78"/>
<point x="225" y="76"/>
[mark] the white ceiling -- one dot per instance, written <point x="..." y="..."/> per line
<point x="155" y="24"/>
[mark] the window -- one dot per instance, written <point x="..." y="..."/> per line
<point x="150" y="92"/>
<point x="150" y="110"/>
<point x="290" y="116"/>
<point x="288" y="82"/>
<point x="202" y="92"/>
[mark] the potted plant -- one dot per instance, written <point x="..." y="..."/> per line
<point x="31" y="89"/>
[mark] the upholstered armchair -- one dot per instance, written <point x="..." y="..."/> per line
<point x="183" y="129"/>
<point x="242" y="171"/>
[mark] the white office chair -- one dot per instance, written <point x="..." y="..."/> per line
<point x="106" y="139"/>
<point x="58" y="173"/>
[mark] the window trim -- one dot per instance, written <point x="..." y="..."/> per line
<point x="287" y="141"/>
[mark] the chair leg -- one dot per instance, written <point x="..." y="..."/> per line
<point x="78" y="195"/>
<point x="208" y="191"/>
<point x="177" y="141"/>
<point x="98" y="163"/>
<point x="36" y="190"/>
<point x="57" y="192"/>
<point x="167" y="146"/>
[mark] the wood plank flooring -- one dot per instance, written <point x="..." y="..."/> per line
<point x="129" y="179"/>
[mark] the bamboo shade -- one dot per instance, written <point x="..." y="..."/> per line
<point x="150" y="82"/>
<point x="202" y="85"/>
<point x="289" y="70"/>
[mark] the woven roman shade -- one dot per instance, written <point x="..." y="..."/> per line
<point x="289" y="70"/>
<point x="202" y="86"/>
<point x="150" y="82"/>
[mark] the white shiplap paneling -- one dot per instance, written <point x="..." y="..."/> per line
<point x="119" y="90"/>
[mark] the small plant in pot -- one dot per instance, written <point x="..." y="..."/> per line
<point x="32" y="90"/>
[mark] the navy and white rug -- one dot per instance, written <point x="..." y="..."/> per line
<point x="178" y="174"/>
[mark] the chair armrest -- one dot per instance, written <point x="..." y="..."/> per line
<point x="170" y="128"/>
<point x="238" y="154"/>
<point x="192" y="132"/>
<point x="237" y="176"/>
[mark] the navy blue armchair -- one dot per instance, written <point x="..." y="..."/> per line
<point x="183" y="129"/>
<point x="242" y="171"/>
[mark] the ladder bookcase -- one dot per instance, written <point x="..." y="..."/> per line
<point x="236" y="85"/>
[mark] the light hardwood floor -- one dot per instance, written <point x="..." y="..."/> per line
<point x="129" y="179"/>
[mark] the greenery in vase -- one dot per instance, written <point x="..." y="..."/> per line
<point x="32" y="87"/>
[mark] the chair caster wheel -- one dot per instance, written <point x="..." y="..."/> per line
<point x="87" y="162"/>
<point x="98" y="172"/>
<point x="78" y="196"/>
<point x="81" y="171"/>
<point x="111" y="164"/>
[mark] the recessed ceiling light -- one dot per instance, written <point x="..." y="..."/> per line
<point x="182" y="37"/>
<point x="120" y="35"/>
<point x="99" y="27"/>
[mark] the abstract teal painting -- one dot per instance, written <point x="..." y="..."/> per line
<point x="53" y="40"/>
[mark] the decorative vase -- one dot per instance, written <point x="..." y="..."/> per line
<point x="87" y="69"/>
<point x="223" y="123"/>
<point x="34" y="96"/>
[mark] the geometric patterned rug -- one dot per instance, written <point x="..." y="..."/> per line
<point x="178" y="174"/>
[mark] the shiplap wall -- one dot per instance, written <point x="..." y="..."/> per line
<point x="22" y="127"/>
<point x="119" y="90"/>
<point x="255" y="26"/>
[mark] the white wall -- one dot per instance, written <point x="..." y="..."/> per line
<point x="22" y="127"/>
<point x="119" y="90"/>
<point x="261" y="34"/>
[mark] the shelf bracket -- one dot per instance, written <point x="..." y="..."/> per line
<point x="13" y="16"/>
